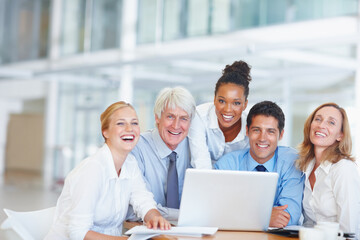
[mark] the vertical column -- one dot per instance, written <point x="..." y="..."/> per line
<point x="55" y="29"/>
<point x="263" y="5"/>
<point x="159" y="21"/>
<point x="2" y="27"/>
<point x="51" y="125"/>
<point x="126" y="86"/>
<point x="356" y="146"/>
<point x="128" y="44"/>
<point x="128" y="35"/>
<point x="288" y="112"/>
<point x="71" y="16"/>
<point x="88" y="25"/>
<point x="4" y="118"/>
<point x="3" y="113"/>
<point x="52" y="95"/>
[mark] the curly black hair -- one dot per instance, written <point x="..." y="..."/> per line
<point x="237" y="73"/>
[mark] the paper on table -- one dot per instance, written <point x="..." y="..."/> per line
<point x="188" y="231"/>
<point x="142" y="236"/>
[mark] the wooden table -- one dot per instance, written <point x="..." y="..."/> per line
<point x="230" y="235"/>
<point x="220" y="235"/>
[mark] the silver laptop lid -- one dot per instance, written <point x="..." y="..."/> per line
<point x="229" y="200"/>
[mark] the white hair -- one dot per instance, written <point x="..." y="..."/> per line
<point x="175" y="97"/>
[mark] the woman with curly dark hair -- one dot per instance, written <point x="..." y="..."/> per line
<point x="219" y="127"/>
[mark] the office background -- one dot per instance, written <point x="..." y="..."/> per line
<point x="62" y="62"/>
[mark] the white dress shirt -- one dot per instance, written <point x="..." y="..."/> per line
<point x="95" y="198"/>
<point x="336" y="195"/>
<point x="207" y="141"/>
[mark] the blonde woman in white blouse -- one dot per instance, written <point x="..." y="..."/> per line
<point x="332" y="184"/>
<point x="97" y="193"/>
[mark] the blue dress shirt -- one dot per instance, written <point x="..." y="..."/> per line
<point x="290" y="185"/>
<point x="152" y="154"/>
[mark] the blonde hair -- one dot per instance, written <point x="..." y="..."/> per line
<point x="105" y="117"/>
<point x="334" y="153"/>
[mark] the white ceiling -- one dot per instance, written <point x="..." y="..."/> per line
<point x="307" y="59"/>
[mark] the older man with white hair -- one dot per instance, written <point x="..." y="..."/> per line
<point x="163" y="153"/>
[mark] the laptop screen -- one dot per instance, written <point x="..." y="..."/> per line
<point x="229" y="200"/>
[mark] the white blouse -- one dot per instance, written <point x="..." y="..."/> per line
<point x="207" y="141"/>
<point x="95" y="198"/>
<point x="336" y="195"/>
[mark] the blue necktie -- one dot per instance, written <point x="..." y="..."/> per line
<point x="172" y="193"/>
<point x="260" y="168"/>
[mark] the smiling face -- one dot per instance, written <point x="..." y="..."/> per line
<point x="264" y="136"/>
<point x="173" y="126"/>
<point x="123" y="131"/>
<point x="326" y="127"/>
<point x="229" y="103"/>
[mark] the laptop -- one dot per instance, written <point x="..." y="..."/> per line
<point x="229" y="200"/>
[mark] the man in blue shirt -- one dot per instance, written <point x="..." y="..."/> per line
<point x="163" y="153"/>
<point x="265" y="128"/>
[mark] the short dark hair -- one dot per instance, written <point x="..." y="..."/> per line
<point x="237" y="73"/>
<point x="267" y="108"/>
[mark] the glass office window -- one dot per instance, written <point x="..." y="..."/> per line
<point x="78" y="127"/>
<point x="78" y="133"/>
<point x="308" y="9"/>
<point x="220" y="16"/>
<point x="24" y="30"/>
<point x="144" y="100"/>
<point x="73" y="26"/>
<point x="44" y="29"/>
<point x="245" y="14"/>
<point x="106" y="24"/>
<point x="172" y="23"/>
<point x="147" y="22"/>
<point x="198" y="18"/>
<point x="348" y="7"/>
<point x="275" y="12"/>
<point x="1" y="31"/>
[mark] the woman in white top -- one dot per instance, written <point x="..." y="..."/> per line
<point x="332" y="185"/>
<point x="96" y="194"/>
<point x="219" y="127"/>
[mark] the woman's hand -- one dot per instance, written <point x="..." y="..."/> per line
<point x="153" y="219"/>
